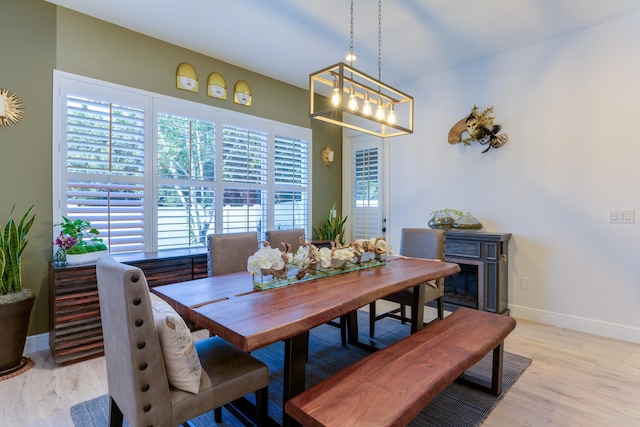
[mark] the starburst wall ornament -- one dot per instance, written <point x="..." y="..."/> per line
<point x="11" y="108"/>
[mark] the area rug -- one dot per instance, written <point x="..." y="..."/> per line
<point x="458" y="405"/>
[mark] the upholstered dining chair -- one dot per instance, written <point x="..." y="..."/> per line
<point x="229" y="252"/>
<point x="415" y="243"/>
<point x="156" y="374"/>
<point x="292" y="237"/>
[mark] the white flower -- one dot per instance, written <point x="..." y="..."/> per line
<point x="344" y="254"/>
<point x="266" y="257"/>
<point x="302" y="258"/>
<point x="324" y="257"/>
<point x="383" y="247"/>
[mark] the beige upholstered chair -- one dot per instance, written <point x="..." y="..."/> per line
<point x="229" y="252"/>
<point x="416" y="243"/>
<point x="292" y="237"/>
<point x="136" y="358"/>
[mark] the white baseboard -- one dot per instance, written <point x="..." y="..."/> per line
<point x="36" y="343"/>
<point x="596" y="327"/>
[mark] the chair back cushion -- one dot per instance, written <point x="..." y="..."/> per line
<point x="178" y="348"/>
<point x="229" y="252"/>
<point x="135" y="368"/>
<point x="422" y="243"/>
<point x="292" y="237"/>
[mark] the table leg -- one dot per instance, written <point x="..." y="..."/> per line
<point x="295" y="353"/>
<point x="417" y="308"/>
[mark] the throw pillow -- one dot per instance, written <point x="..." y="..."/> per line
<point x="178" y="349"/>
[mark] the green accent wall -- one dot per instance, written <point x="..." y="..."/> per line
<point x="39" y="37"/>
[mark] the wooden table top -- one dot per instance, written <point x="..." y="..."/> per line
<point x="229" y="307"/>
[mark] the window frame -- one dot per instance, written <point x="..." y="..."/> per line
<point x="152" y="104"/>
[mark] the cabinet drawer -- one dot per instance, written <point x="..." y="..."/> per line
<point x="466" y="249"/>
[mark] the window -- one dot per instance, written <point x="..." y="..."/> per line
<point x="152" y="172"/>
<point x="366" y="201"/>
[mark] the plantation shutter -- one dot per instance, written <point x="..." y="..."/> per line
<point x="152" y="172"/>
<point x="291" y="173"/>
<point x="186" y="180"/>
<point x="366" y="202"/>
<point x="244" y="171"/>
<point x="105" y="149"/>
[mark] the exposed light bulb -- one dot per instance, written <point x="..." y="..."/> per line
<point x="380" y="110"/>
<point x="366" y="105"/>
<point x="392" y="114"/>
<point x="335" y="95"/>
<point x="351" y="57"/>
<point x="353" y="101"/>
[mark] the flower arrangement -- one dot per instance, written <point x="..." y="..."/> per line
<point x="309" y="260"/>
<point x="76" y="238"/>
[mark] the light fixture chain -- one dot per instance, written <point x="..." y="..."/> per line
<point x="351" y="44"/>
<point x="380" y="40"/>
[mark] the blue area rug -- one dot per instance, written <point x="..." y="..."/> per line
<point x="458" y="405"/>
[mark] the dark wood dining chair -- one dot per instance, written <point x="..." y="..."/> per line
<point x="156" y="374"/>
<point x="415" y="243"/>
<point x="228" y="252"/>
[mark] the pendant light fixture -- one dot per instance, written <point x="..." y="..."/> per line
<point x="335" y="93"/>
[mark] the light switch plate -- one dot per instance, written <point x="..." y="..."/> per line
<point x="621" y="216"/>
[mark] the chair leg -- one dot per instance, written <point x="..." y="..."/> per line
<point x="217" y="414"/>
<point x="441" y="307"/>
<point x="115" y="414"/>
<point x="372" y="319"/>
<point x="262" y="408"/>
<point x="403" y="313"/>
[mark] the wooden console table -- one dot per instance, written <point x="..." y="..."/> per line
<point x="75" y="331"/>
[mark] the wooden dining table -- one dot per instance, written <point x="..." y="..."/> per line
<point x="229" y="307"/>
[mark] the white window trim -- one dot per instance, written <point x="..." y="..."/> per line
<point x="150" y="105"/>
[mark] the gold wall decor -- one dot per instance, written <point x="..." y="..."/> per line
<point x="187" y="78"/>
<point x="11" y="108"/>
<point x="327" y="155"/>
<point x="216" y="86"/>
<point x="478" y="126"/>
<point x="242" y="93"/>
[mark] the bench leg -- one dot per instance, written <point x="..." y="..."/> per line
<point x="494" y="385"/>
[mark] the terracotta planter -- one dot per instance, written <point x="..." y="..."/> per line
<point x="14" y="325"/>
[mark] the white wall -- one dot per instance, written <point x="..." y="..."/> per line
<point x="570" y="107"/>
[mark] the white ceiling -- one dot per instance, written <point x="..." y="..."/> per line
<point x="289" y="39"/>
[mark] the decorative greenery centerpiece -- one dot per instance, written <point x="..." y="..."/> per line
<point x="310" y="262"/>
<point x="446" y="219"/>
<point x="79" y="238"/>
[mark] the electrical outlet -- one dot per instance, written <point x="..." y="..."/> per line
<point x="621" y="216"/>
<point x="525" y="283"/>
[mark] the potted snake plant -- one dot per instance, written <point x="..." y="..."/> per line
<point x="15" y="302"/>
<point x="330" y="229"/>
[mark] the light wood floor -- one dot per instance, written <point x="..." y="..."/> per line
<point x="575" y="379"/>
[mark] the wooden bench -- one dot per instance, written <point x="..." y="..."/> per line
<point x="391" y="386"/>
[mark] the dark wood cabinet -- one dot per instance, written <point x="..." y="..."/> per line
<point x="75" y="327"/>
<point x="483" y="280"/>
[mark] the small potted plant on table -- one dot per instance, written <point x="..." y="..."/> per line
<point x="78" y="242"/>
<point x="330" y="229"/>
